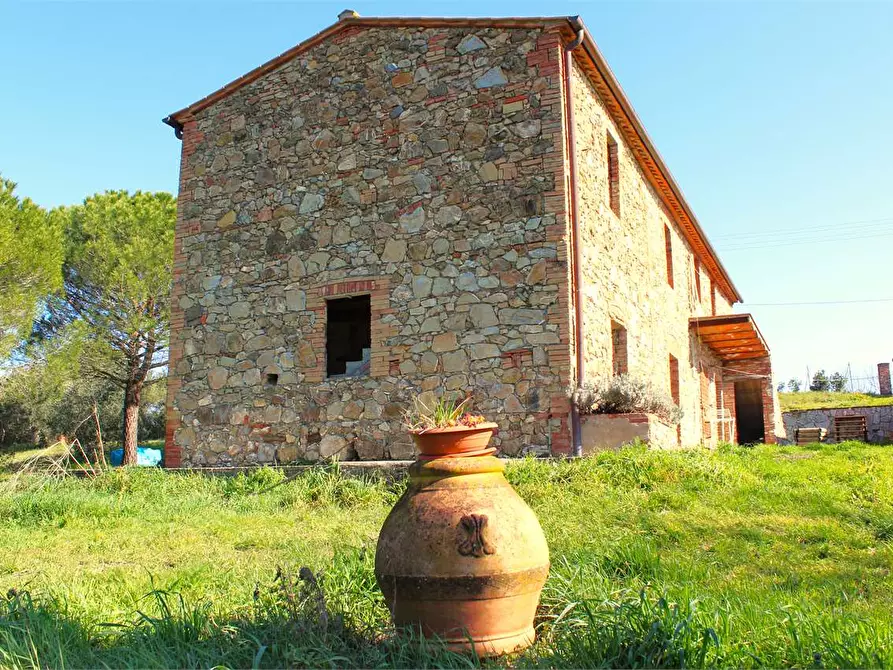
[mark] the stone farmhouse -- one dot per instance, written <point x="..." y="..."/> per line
<point x="401" y="206"/>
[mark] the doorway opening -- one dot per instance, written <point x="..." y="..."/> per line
<point x="749" y="411"/>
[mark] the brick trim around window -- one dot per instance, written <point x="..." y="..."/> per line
<point x="378" y="289"/>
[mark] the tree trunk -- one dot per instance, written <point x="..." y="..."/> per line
<point x="131" y="421"/>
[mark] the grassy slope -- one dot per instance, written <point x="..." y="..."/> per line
<point x="769" y="556"/>
<point x="819" y="399"/>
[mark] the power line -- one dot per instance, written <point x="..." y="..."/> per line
<point x="866" y="223"/>
<point x="757" y="244"/>
<point x="820" y="302"/>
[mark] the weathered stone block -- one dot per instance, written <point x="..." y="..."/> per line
<point x="492" y="77"/>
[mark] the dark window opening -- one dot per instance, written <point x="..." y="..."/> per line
<point x="613" y="176"/>
<point x="674" y="378"/>
<point x="668" y="242"/>
<point x="348" y="336"/>
<point x="619" y="360"/>
<point x="697" y="270"/>
<point x="674" y="392"/>
<point x="706" y="414"/>
<point x="272" y="379"/>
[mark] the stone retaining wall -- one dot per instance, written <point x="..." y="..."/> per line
<point x="612" y="431"/>
<point x="879" y="420"/>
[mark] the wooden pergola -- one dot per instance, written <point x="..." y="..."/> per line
<point x="732" y="337"/>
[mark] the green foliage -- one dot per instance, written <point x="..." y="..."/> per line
<point x="117" y="271"/>
<point x="117" y="280"/>
<point x="793" y="385"/>
<point x="48" y="397"/>
<point x="30" y="264"/>
<point x="837" y="383"/>
<point x="820" y="382"/>
<point x="756" y="557"/>
<point x="622" y="394"/>
<point x="443" y="412"/>
<point x="122" y="245"/>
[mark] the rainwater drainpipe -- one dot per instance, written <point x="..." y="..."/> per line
<point x="576" y="428"/>
<point x="176" y="125"/>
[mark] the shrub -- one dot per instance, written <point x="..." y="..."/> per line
<point x="624" y="395"/>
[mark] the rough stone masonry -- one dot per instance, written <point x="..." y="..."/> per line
<point x="409" y="164"/>
<point x="423" y="166"/>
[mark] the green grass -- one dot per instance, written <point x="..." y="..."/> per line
<point x="820" y="399"/>
<point x="771" y="557"/>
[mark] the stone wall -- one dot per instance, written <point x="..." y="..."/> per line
<point x="611" y="431"/>
<point x="423" y="167"/>
<point x="878" y="419"/>
<point x="625" y="273"/>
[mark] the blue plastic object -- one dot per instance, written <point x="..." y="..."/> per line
<point x="146" y="456"/>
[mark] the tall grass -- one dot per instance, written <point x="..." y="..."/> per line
<point x="764" y="557"/>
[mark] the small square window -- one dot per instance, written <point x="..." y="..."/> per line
<point x="348" y="336"/>
<point x="272" y="379"/>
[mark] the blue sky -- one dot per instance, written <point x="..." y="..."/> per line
<point x="774" y="118"/>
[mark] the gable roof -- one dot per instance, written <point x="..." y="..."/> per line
<point x="593" y="63"/>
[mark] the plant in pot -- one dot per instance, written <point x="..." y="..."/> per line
<point x="444" y="427"/>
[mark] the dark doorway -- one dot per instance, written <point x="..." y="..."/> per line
<point x="348" y="336"/>
<point x="749" y="411"/>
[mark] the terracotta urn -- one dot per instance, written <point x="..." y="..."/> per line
<point x="461" y="557"/>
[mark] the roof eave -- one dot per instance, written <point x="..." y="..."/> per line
<point x="595" y="54"/>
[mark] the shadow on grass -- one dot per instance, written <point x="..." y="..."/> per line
<point x="288" y="625"/>
<point x="291" y="625"/>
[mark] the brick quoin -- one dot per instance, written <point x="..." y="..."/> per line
<point x="173" y="453"/>
<point x="883" y="376"/>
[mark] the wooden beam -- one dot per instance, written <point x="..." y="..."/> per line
<point x="733" y="350"/>
<point x="721" y="329"/>
<point x="735" y="338"/>
<point x="741" y="357"/>
<point x="719" y="320"/>
<point x="719" y="337"/>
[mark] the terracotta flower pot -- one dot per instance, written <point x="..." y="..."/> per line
<point x="454" y="441"/>
<point x="462" y="557"/>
